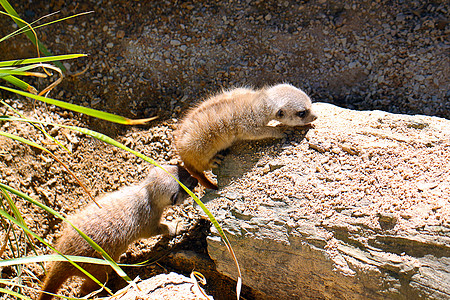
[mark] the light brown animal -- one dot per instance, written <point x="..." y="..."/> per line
<point x="127" y="215"/>
<point x="239" y="114"/>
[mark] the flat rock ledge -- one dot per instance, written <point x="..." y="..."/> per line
<point x="355" y="208"/>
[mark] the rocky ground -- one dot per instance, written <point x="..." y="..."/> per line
<point x="157" y="58"/>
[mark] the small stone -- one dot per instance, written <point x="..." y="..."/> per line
<point x="387" y="221"/>
<point x="120" y="34"/>
<point x="54" y="131"/>
<point x="424" y="186"/>
<point x="175" y="42"/>
<point x="110" y="45"/>
<point x="419" y="78"/>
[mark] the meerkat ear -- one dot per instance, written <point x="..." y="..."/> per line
<point x="174" y="198"/>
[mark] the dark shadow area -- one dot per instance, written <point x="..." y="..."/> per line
<point x="164" y="259"/>
<point x="233" y="168"/>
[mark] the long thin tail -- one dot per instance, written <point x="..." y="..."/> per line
<point x="55" y="278"/>
<point x="201" y="177"/>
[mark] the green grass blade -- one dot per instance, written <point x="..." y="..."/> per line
<point x="15" y="294"/>
<point x="51" y="257"/>
<point x="14" y="208"/>
<point x="40" y="127"/>
<point x="4" y="72"/>
<point x="20" y="84"/>
<point x="84" y="110"/>
<point x="56" y="257"/>
<point x="9" y="63"/>
<point x="24" y="141"/>
<point x="23" y="71"/>
<point x="14" y="68"/>
<point x="52" y="22"/>
<point x="21" y="23"/>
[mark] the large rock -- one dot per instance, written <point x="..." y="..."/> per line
<point x="355" y="208"/>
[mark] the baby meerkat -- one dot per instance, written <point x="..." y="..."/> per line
<point x="238" y="114"/>
<point x="127" y="215"/>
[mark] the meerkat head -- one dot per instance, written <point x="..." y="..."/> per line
<point x="165" y="189"/>
<point x="291" y="106"/>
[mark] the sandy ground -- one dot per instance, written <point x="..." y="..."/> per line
<point x="154" y="58"/>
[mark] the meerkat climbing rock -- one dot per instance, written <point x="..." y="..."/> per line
<point x="127" y="215"/>
<point x="238" y="114"/>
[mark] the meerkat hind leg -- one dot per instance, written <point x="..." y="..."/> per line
<point x="265" y="132"/>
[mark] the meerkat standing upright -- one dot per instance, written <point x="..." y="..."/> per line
<point x="239" y="114"/>
<point x="127" y="215"/>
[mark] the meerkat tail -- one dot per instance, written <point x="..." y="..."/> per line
<point x="51" y="285"/>
<point x="201" y="177"/>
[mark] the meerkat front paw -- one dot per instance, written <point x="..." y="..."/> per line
<point x="286" y="130"/>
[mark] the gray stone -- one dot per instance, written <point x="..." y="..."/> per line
<point x="330" y="224"/>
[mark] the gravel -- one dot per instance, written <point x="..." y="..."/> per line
<point x="144" y="58"/>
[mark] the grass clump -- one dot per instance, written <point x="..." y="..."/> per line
<point x="19" y="242"/>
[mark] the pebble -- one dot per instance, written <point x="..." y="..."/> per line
<point x="120" y="34"/>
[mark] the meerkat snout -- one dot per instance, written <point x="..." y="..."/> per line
<point x="129" y="214"/>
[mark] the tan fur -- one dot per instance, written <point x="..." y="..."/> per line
<point x="127" y="215"/>
<point x="239" y="114"/>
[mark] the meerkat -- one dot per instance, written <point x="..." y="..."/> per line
<point x="238" y="114"/>
<point x="127" y="215"/>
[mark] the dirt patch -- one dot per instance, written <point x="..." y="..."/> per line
<point x="156" y="58"/>
<point x="100" y="167"/>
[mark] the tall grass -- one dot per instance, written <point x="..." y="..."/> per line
<point x="17" y="233"/>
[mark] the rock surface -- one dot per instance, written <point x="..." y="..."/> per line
<point x="356" y="208"/>
<point x="160" y="287"/>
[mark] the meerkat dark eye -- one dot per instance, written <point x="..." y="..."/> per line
<point x="173" y="199"/>
<point x="280" y="113"/>
<point x="301" y="114"/>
